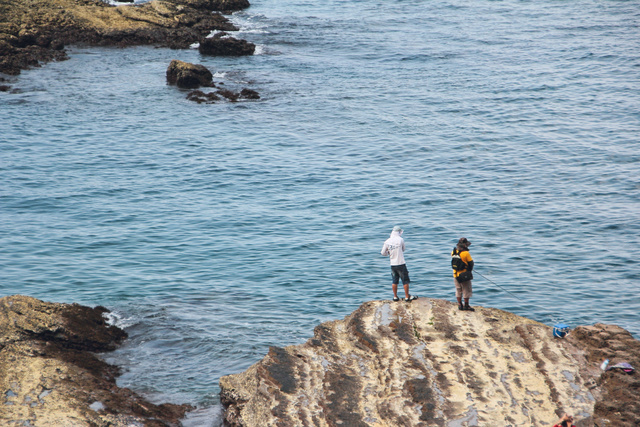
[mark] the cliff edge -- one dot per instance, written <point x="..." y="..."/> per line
<point x="50" y="376"/>
<point x="428" y="364"/>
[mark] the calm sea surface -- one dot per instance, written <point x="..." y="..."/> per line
<point x="215" y="231"/>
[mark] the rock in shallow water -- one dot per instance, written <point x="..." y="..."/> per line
<point x="188" y="76"/>
<point x="429" y="364"/>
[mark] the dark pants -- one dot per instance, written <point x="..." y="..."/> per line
<point x="400" y="272"/>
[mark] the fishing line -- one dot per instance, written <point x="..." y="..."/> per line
<point x="491" y="281"/>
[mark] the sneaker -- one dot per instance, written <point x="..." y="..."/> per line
<point x="469" y="308"/>
<point x="460" y="307"/>
<point x="411" y="298"/>
<point x="396" y="299"/>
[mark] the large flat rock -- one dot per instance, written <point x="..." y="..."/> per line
<point x="428" y="364"/>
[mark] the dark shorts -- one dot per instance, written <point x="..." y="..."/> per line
<point x="400" y="272"/>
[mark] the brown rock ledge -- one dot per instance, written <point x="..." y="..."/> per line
<point x="50" y="377"/>
<point x="34" y="31"/>
<point x="429" y="364"/>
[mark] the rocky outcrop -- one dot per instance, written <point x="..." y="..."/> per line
<point x="34" y="31"/>
<point x="188" y="76"/>
<point x="50" y="376"/>
<point x="222" y="44"/>
<point x="426" y="363"/>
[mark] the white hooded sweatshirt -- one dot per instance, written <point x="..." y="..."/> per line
<point x="394" y="248"/>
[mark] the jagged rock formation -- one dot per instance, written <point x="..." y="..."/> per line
<point x="50" y="377"/>
<point x="428" y="364"/>
<point x="33" y="31"/>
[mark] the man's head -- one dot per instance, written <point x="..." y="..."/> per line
<point x="397" y="228"/>
<point x="464" y="243"/>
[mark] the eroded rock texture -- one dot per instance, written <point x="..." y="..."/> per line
<point x="429" y="364"/>
<point x="50" y="377"/>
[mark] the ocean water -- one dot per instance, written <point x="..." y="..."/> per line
<point x="215" y="231"/>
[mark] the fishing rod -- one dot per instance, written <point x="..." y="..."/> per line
<point x="483" y="276"/>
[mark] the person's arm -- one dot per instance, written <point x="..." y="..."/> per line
<point x="385" y="250"/>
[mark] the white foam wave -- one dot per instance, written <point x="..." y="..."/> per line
<point x="208" y="416"/>
<point x="117" y="319"/>
<point x="214" y="32"/>
<point x="248" y="23"/>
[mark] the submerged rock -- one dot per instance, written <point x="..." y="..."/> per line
<point x="188" y="76"/>
<point x="212" y="97"/>
<point x="429" y="364"/>
<point x="49" y="375"/>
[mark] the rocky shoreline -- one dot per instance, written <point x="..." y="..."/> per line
<point x="33" y="32"/>
<point x="50" y="375"/>
<point x="387" y="364"/>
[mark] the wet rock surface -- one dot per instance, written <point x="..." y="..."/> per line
<point x="35" y="31"/>
<point x="50" y="375"/>
<point x="428" y="364"/>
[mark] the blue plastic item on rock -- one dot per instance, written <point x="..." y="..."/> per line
<point x="560" y="330"/>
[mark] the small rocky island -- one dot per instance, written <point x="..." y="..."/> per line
<point x="387" y="364"/>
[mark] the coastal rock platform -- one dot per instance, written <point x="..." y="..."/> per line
<point x="426" y="363"/>
<point x="51" y="377"/>
<point x="35" y="31"/>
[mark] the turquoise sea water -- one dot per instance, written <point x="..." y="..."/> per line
<point x="215" y="231"/>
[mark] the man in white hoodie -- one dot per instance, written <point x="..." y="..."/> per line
<point x="394" y="248"/>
